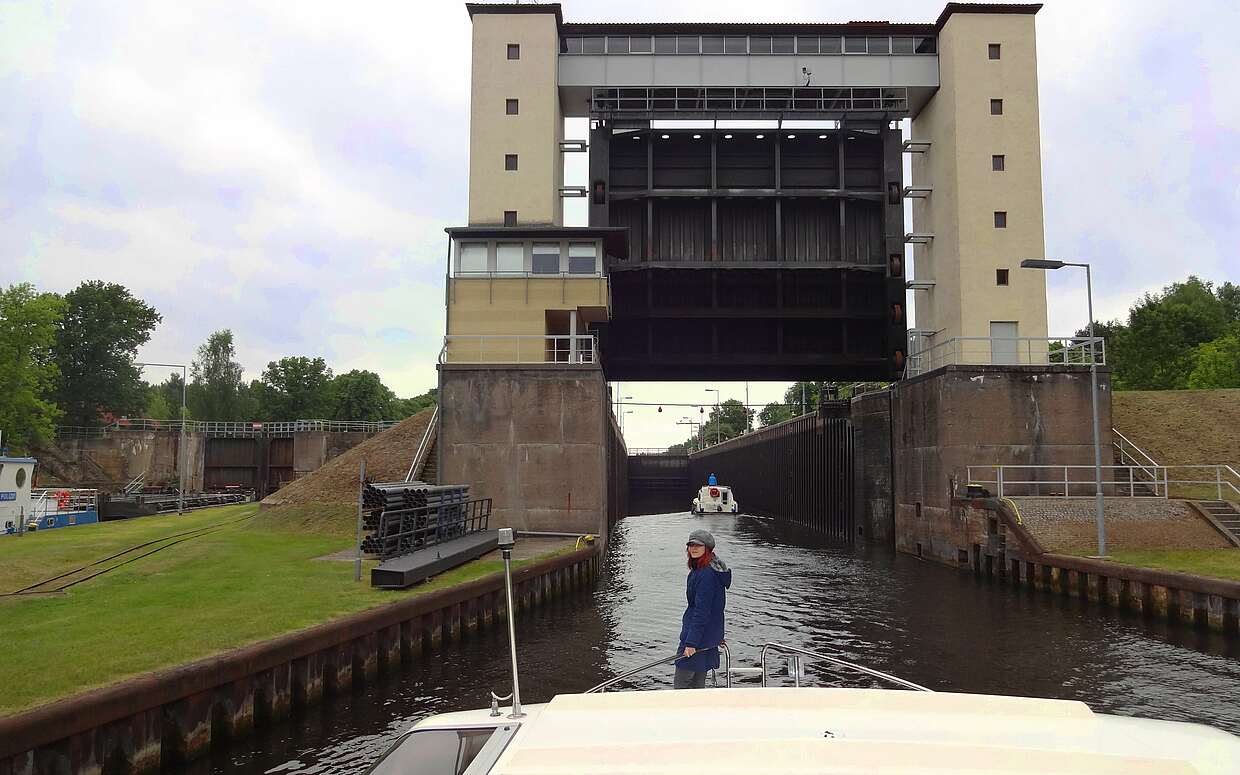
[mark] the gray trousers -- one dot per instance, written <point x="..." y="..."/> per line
<point x="689" y="679"/>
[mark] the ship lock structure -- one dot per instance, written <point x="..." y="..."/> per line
<point x="772" y="253"/>
<point x="719" y="249"/>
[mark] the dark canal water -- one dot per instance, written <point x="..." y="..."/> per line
<point x="932" y="625"/>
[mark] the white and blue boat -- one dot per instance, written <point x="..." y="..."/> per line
<point x="25" y="508"/>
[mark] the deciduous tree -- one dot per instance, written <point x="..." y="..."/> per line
<point x="217" y="390"/>
<point x="295" y="387"/>
<point x="100" y="333"/>
<point x="28" y="372"/>
<point x="361" y="395"/>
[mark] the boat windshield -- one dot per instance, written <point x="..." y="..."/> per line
<point x="433" y="752"/>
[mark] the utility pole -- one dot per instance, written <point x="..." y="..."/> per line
<point x="181" y="443"/>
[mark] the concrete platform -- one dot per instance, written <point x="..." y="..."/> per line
<point x="401" y="572"/>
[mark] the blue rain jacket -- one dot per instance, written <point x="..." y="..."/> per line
<point x="702" y="625"/>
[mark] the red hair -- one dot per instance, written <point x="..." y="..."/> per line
<point x="702" y="561"/>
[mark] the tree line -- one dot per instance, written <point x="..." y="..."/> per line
<point x="1186" y="336"/>
<point x="71" y="360"/>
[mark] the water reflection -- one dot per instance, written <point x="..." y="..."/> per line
<point x="932" y="625"/>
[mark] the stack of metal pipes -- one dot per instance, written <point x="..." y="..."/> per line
<point x="402" y="517"/>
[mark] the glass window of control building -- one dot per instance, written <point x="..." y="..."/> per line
<point x="473" y="257"/>
<point x="510" y="257"/>
<point x="546" y="258"/>
<point x="582" y="258"/>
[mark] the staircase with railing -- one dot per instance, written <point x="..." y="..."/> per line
<point x="425" y="464"/>
<point x="135" y="485"/>
<point x="1136" y="469"/>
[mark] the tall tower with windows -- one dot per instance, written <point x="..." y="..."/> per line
<point x="980" y="158"/>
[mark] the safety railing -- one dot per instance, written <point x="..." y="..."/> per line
<point x="223" y="428"/>
<point x="1018" y="351"/>
<point x="405" y="531"/>
<point x="135" y="485"/>
<point x="424" y="445"/>
<point x="747" y="99"/>
<point x="516" y="349"/>
<point x="795" y="667"/>
<point x="62" y="500"/>
<point x="1118" y="481"/>
<point x="1129" y="454"/>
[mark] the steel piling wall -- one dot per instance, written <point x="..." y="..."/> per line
<point x="800" y="470"/>
<point x="148" y="722"/>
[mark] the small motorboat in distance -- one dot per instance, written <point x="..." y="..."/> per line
<point x="715" y="498"/>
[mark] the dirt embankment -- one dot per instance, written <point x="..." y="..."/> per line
<point x="326" y="500"/>
<point x="1181" y="427"/>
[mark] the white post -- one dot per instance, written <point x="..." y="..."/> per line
<point x="572" y="336"/>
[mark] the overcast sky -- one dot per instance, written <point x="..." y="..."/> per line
<point x="286" y="169"/>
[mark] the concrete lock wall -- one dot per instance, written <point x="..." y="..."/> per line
<point x="161" y="720"/>
<point x="871" y="420"/>
<point x="530" y="437"/>
<point x="109" y="462"/>
<point x="961" y="416"/>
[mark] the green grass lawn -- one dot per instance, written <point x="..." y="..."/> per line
<point x="248" y="582"/>
<point x="1219" y="563"/>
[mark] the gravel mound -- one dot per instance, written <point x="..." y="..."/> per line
<point x="387" y="455"/>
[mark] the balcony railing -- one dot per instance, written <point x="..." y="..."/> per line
<point x="1020" y="351"/>
<point x="500" y="349"/>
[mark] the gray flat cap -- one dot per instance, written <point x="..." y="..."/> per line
<point x="702" y="537"/>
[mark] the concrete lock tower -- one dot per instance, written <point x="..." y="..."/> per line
<point x="715" y="249"/>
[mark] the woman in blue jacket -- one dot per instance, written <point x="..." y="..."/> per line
<point x="701" y="629"/>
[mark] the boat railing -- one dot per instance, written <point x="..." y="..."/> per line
<point x="767" y="648"/>
<point x="797" y="653"/>
<point x="635" y="671"/>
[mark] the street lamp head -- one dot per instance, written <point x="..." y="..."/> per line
<point x="1041" y="263"/>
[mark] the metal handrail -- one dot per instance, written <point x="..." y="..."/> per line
<point x="766" y="647"/>
<point x="1024" y="351"/>
<point x="418" y="457"/>
<point x="731" y="99"/>
<point x="729" y="671"/>
<point x="47" y="501"/>
<point x="232" y="428"/>
<point x="1127" y="449"/>
<point x="1225" y="479"/>
<point x="629" y="673"/>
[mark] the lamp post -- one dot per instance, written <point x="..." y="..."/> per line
<point x="718" y="416"/>
<point x="694" y="425"/>
<point x="623" y="413"/>
<point x="1041" y="263"/>
<point x="181" y="443"/>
